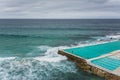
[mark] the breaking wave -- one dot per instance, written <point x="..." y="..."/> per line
<point x="50" y="66"/>
<point x="7" y="58"/>
<point x="30" y="69"/>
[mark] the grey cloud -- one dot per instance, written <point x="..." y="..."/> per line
<point x="59" y="8"/>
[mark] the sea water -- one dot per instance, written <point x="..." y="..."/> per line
<point x="28" y="47"/>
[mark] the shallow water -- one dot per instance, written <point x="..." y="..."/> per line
<point x="94" y="51"/>
<point x="28" y="48"/>
<point x="107" y="63"/>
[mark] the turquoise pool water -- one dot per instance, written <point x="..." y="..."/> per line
<point x="89" y="52"/>
<point x="108" y="63"/>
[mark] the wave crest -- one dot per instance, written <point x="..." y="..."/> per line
<point x="29" y="69"/>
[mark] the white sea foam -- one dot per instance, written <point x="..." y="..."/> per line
<point x="110" y="37"/>
<point x="51" y="55"/>
<point x="47" y="67"/>
<point x="113" y="36"/>
<point x="50" y="59"/>
<point x="44" y="47"/>
<point x="30" y="69"/>
<point x="6" y="58"/>
<point x="51" y="52"/>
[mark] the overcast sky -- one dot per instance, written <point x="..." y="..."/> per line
<point x="60" y="9"/>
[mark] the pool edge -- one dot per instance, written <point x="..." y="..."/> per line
<point x="85" y="65"/>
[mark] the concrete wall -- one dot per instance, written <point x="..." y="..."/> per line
<point x="82" y="63"/>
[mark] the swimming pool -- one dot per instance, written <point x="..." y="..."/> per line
<point x="107" y="63"/>
<point x="94" y="51"/>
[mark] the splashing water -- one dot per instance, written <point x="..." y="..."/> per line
<point x="28" y="48"/>
<point x="51" y="66"/>
<point x="29" y="69"/>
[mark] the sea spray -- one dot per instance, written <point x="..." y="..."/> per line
<point x="51" y="54"/>
<point x="30" y="69"/>
<point x="50" y="66"/>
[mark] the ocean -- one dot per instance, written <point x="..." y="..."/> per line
<point x="28" y="47"/>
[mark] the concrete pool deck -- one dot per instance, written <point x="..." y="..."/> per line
<point x="106" y="65"/>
